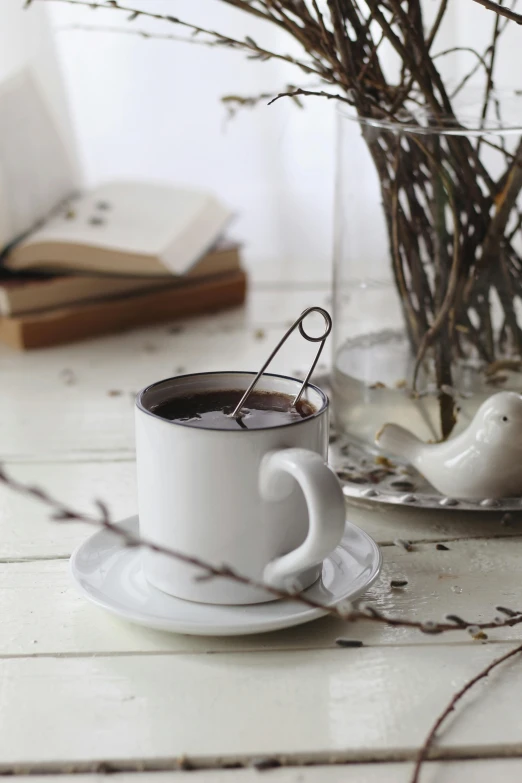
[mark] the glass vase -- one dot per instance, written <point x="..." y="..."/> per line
<point x="427" y="268"/>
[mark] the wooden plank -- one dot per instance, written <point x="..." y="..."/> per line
<point x="42" y="613"/>
<point x="372" y="704"/>
<point x="483" y="771"/>
<point x="67" y="401"/>
<point x="387" y="523"/>
<point x="85" y="392"/>
<point x="25" y="531"/>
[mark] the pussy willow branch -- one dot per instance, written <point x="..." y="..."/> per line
<point x="300" y="91"/>
<point x="61" y="512"/>
<point x="98" y="28"/>
<point x="231" y="101"/>
<point x="428" y="742"/>
<point x="217" y="38"/>
<point x="501" y="10"/>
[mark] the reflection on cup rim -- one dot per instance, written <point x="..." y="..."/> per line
<point x="320" y="410"/>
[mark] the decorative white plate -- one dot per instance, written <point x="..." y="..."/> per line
<point x="110" y="575"/>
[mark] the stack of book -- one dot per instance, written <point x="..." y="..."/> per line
<point x="123" y="255"/>
<point x="76" y="264"/>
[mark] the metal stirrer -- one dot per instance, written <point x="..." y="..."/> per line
<point x="298" y="323"/>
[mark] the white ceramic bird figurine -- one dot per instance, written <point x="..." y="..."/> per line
<point x="484" y="461"/>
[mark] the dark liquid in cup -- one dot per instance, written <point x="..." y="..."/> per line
<point x="212" y="410"/>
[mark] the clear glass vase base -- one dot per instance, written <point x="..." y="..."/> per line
<point x="371" y="386"/>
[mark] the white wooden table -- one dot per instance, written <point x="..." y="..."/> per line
<point x="81" y="692"/>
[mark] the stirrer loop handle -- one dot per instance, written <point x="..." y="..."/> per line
<point x="298" y="323"/>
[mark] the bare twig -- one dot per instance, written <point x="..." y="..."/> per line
<point x="247" y="45"/>
<point x="490" y="70"/>
<point x="501" y="10"/>
<point x="320" y="93"/>
<point x="437" y="23"/>
<point x="60" y="512"/>
<point x="145" y="34"/>
<point x="423" y="753"/>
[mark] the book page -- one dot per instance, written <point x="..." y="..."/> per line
<point x="175" y="226"/>
<point x="36" y="172"/>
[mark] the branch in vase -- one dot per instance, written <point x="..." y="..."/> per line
<point x="469" y="75"/>
<point x="340" y="38"/>
<point x="501" y="10"/>
<point x="218" y="39"/>
<point x="504" y="203"/>
<point x="443" y="7"/>
<point x="447" y="188"/>
<point x="325" y="33"/>
<point x="492" y="51"/>
<point x="235" y="102"/>
<point x="263" y="13"/>
<point x="481" y="63"/>
<point x="320" y="93"/>
<point x="412" y="315"/>
<point x="93" y="28"/>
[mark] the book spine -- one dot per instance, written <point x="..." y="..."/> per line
<point x="69" y="325"/>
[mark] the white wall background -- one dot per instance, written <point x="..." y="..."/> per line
<point x="147" y="108"/>
<point x="28" y="38"/>
<point x="151" y="109"/>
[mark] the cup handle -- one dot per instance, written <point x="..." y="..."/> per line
<point x="326" y="509"/>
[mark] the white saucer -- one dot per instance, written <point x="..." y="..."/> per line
<point x="110" y="575"/>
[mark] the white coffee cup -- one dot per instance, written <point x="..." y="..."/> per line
<point x="262" y="501"/>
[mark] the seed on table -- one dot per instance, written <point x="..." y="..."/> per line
<point x="398" y="583"/>
<point x="348" y="642"/>
<point x="430" y="627"/>
<point x="265" y="763"/>
<point x="477" y="633"/>
<point x="442" y="548"/>
<point x="101" y="768"/>
<point x="384" y="462"/>
<point x="403" y="486"/>
<point x="454" y="618"/>
<point x="407" y="545"/>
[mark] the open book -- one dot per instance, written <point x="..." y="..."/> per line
<point x="35" y="292"/>
<point x="123" y="228"/>
<point x="128" y="228"/>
